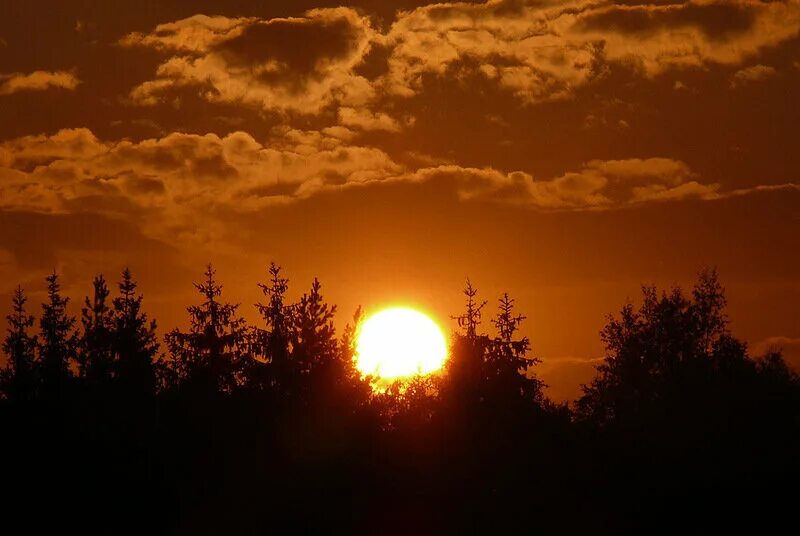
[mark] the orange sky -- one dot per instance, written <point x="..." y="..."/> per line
<point x="566" y="152"/>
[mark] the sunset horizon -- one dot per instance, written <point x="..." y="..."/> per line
<point x="445" y="222"/>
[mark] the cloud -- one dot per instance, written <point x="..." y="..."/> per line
<point x="367" y="120"/>
<point x="754" y="73"/>
<point x="609" y="184"/>
<point x="194" y="34"/>
<point x="545" y="50"/>
<point x="180" y="183"/>
<point x="190" y="186"/>
<point x="299" y="64"/>
<point x="37" y="81"/>
<point x="539" y="50"/>
<point x="697" y="33"/>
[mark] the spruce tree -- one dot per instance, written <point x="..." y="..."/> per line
<point x="507" y="361"/>
<point x="212" y="354"/>
<point x="356" y="387"/>
<point x="348" y="341"/>
<point x="18" y="380"/>
<point x="135" y="343"/>
<point x="313" y="336"/>
<point x="471" y="318"/>
<point x="58" y="341"/>
<point x="491" y="373"/>
<point x="96" y="357"/>
<point x="465" y="367"/>
<point x="271" y="343"/>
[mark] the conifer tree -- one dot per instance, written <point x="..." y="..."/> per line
<point x="313" y="336"/>
<point x="348" y="342"/>
<point x="486" y="372"/>
<point x="212" y="353"/>
<point x="58" y="341"/>
<point x="471" y="319"/>
<point x="348" y="374"/>
<point x="96" y="357"/>
<point x="18" y="380"/>
<point x="135" y="342"/>
<point x="508" y="363"/>
<point x="465" y="368"/>
<point x="272" y="342"/>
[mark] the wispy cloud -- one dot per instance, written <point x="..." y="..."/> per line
<point x="749" y="75"/>
<point x="38" y="81"/>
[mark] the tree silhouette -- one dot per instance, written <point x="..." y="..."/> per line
<point x="272" y="342"/>
<point x="670" y="341"/>
<point x="471" y="318"/>
<point x="313" y="337"/>
<point x="675" y="376"/>
<point x="135" y="342"/>
<point x="347" y="356"/>
<point x="350" y="334"/>
<point x="18" y="380"/>
<point x="487" y="369"/>
<point x="57" y="343"/>
<point x="96" y="356"/>
<point x="274" y="426"/>
<point x="465" y="368"/>
<point x="508" y="364"/>
<point x="211" y="354"/>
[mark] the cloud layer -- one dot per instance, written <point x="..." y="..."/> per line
<point x="190" y="184"/>
<point x="538" y="50"/>
<point x="37" y="81"/>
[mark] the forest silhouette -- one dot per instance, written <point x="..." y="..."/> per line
<point x="231" y="428"/>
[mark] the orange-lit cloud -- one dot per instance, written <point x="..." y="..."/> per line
<point x="754" y="73"/>
<point x="183" y="181"/>
<point x="545" y="50"/>
<point x="37" y="81"/>
<point x="598" y="185"/>
<point x="299" y="64"/>
<point x="188" y="183"/>
<point x="540" y="51"/>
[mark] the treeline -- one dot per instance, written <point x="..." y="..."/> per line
<point x="228" y="427"/>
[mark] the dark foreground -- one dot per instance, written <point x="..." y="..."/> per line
<point x="258" y="430"/>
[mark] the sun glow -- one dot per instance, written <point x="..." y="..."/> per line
<point x="399" y="343"/>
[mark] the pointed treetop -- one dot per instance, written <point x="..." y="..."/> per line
<point x="471" y="318"/>
<point x="506" y="322"/>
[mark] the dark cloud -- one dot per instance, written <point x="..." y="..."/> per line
<point x="302" y="64"/>
<point x="717" y="21"/>
<point x="296" y="46"/>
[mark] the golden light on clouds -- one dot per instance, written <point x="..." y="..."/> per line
<point x="399" y="343"/>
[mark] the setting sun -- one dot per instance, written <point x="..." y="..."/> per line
<point x="398" y="343"/>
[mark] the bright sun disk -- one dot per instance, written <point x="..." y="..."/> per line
<point x="399" y="343"/>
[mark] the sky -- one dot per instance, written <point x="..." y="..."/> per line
<point x="565" y="152"/>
